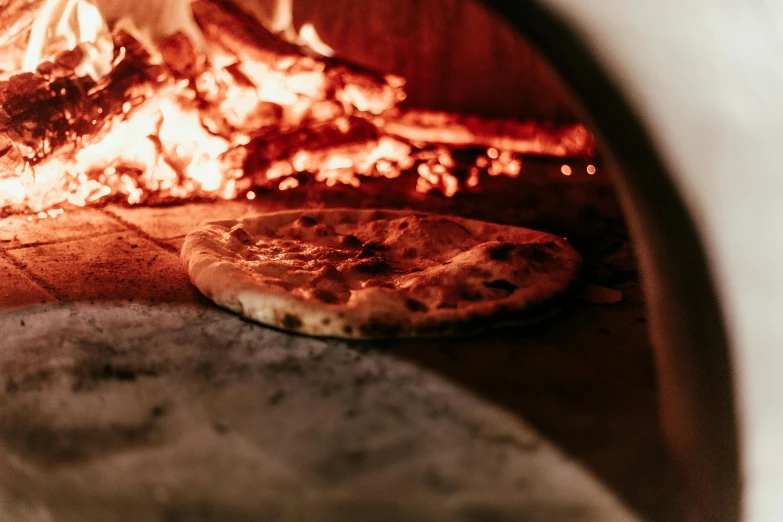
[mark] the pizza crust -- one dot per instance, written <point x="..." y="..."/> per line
<point x="369" y="274"/>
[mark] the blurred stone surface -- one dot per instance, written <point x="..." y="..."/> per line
<point x="208" y="417"/>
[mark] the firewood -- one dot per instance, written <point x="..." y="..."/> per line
<point x="52" y="109"/>
<point x="236" y="32"/>
<point x="316" y="139"/>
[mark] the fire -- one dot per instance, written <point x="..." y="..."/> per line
<point x="282" y="24"/>
<point x="308" y="37"/>
<point x="245" y="116"/>
<point x="66" y="24"/>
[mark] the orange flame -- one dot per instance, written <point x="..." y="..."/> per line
<point x="282" y="23"/>
<point x="65" y="24"/>
<point x="193" y="137"/>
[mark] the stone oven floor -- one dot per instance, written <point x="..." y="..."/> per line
<point x="125" y="395"/>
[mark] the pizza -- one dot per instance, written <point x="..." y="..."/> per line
<point x="370" y="274"/>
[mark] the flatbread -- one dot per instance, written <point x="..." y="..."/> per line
<point x="369" y="274"/>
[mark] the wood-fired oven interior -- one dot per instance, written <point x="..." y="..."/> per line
<point x="126" y="395"/>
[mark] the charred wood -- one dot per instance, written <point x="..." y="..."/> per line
<point x="53" y="109"/>
<point x="236" y="32"/>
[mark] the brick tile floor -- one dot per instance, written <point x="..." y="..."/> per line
<point x="17" y="290"/>
<point x="117" y="253"/>
<point x="169" y="222"/>
<point x="76" y="223"/>
<point x="116" y="266"/>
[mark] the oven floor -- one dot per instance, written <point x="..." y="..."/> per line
<point x="126" y="395"/>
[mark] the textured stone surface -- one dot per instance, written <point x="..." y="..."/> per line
<point x="115" y="267"/>
<point x="17" y="290"/>
<point x="169" y="222"/>
<point x="212" y="418"/>
<point x="76" y="223"/>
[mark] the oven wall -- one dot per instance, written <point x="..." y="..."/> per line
<point x="457" y="55"/>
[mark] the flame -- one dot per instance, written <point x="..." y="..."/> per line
<point x="309" y="37"/>
<point x="282" y="23"/>
<point x="168" y="145"/>
<point x="198" y="136"/>
<point x="282" y="18"/>
<point x="67" y="24"/>
<point x="71" y="24"/>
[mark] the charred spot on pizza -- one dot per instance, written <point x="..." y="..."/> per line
<point x="410" y="252"/>
<point x="351" y="241"/>
<point x="291" y="322"/>
<point x="366" y="252"/>
<point x="403" y="225"/>
<point x="322" y="231"/>
<point x="347" y="330"/>
<point x="373" y="266"/>
<point x="306" y="222"/>
<point x="500" y="252"/>
<point x="501" y="284"/>
<point x="326" y="321"/>
<point x="445" y="305"/>
<point x="371" y="249"/>
<point x="325" y="296"/>
<point x="415" y="306"/>
<point x="331" y="273"/>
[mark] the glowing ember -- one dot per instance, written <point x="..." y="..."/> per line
<point x="146" y="128"/>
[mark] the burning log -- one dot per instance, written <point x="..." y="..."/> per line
<point x="265" y="150"/>
<point x="44" y="112"/>
<point x="262" y="55"/>
<point x="454" y="130"/>
<point x="225" y="24"/>
<point x="314" y="149"/>
<point x="260" y="111"/>
<point x="49" y="117"/>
